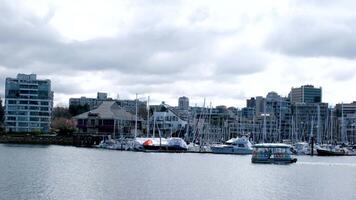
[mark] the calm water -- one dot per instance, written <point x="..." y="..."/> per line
<point x="57" y="172"/>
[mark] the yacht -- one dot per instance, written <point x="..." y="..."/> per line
<point x="272" y="153"/>
<point x="176" y="144"/>
<point x="240" y="146"/>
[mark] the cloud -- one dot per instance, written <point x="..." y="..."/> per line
<point x="152" y="50"/>
<point x="315" y="29"/>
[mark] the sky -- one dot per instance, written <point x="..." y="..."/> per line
<point x="223" y="51"/>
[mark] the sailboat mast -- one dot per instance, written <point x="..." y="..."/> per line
<point x="318" y="128"/>
<point x="331" y="126"/>
<point x="264" y="123"/>
<point x="136" y="118"/>
<point x="148" y="115"/>
<point x="154" y="122"/>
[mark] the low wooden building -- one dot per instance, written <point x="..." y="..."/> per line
<point x="108" y="119"/>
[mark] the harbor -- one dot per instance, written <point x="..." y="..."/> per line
<point x="65" y="172"/>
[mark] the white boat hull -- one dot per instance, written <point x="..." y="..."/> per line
<point x="231" y="150"/>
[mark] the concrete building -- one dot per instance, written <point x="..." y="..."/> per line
<point x="306" y="94"/>
<point x="183" y="103"/>
<point x="251" y="103"/>
<point x="28" y="104"/>
<point x="260" y="105"/>
<point x="91" y="102"/>
<point x="130" y="106"/>
<point x="307" y="119"/>
<point x="108" y="119"/>
<point x="345" y="122"/>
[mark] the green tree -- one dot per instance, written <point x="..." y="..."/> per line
<point x="78" y="109"/>
<point x="61" y="112"/>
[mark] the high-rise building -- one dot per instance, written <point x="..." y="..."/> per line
<point x="260" y="105"/>
<point x="251" y="103"/>
<point x="306" y="94"/>
<point x="183" y="103"/>
<point x="28" y="104"/>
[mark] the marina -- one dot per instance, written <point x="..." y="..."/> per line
<point x="63" y="172"/>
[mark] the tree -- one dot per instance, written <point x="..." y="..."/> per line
<point x="78" y="109"/>
<point x="61" y="112"/>
<point x="63" y="126"/>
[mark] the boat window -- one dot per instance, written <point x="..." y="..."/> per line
<point x="241" y="145"/>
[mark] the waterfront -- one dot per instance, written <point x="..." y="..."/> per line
<point x="64" y="172"/>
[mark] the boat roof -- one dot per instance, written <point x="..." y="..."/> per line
<point x="272" y="145"/>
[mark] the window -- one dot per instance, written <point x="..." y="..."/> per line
<point x="10" y="123"/>
<point x="22" y="113"/>
<point x="34" y="119"/>
<point x="44" y="109"/>
<point x="22" y="118"/>
<point x="23" y="124"/>
<point x="11" y="118"/>
<point x="11" y="112"/>
<point x="44" y="103"/>
<point x="12" y="102"/>
<point x="44" y="119"/>
<point x="34" y="108"/>
<point x="33" y="102"/>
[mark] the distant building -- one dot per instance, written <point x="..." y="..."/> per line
<point x="91" y="102"/>
<point x="166" y="121"/>
<point x="130" y="106"/>
<point x="306" y="94"/>
<point x="2" y="115"/>
<point x="183" y="103"/>
<point x="28" y="104"/>
<point x="260" y="105"/>
<point x="108" y="119"/>
<point x="102" y="96"/>
<point x="251" y="103"/>
<point x="307" y="119"/>
<point x="345" y="122"/>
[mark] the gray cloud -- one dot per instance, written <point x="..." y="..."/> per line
<point x="152" y="55"/>
<point x="313" y="35"/>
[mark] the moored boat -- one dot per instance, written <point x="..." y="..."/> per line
<point x="333" y="150"/>
<point x="155" y="143"/>
<point x="241" y="146"/>
<point x="272" y="153"/>
<point x="176" y="144"/>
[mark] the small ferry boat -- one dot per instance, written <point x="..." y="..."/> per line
<point x="277" y="153"/>
<point x="241" y="146"/>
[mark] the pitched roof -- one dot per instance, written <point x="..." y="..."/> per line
<point x="109" y="110"/>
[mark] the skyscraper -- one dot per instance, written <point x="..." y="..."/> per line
<point x="28" y="104"/>
<point x="306" y="94"/>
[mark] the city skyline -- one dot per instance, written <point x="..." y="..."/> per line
<point x="224" y="52"/>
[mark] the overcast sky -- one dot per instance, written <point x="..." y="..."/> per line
<point x="224" y="51"/>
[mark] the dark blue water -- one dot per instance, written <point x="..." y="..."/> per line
<point x="57" y="172"/>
